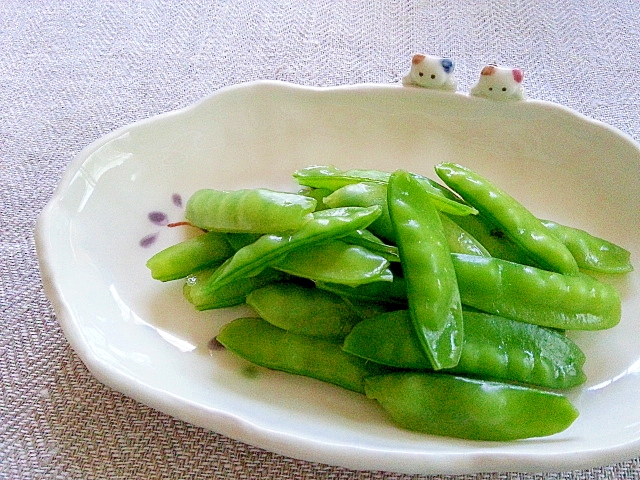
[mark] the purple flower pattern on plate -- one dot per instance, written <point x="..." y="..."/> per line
<point x="160" y="219"/>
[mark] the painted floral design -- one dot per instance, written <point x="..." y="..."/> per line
<point x="159" y="219"/>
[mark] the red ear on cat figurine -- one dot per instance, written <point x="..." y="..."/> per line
<point x="500" y="83"/>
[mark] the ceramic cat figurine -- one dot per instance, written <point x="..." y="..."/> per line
<point x="500" y="83"/>
<point x="429" y="71"/>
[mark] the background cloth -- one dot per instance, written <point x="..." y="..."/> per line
<point x="72" y="71"/>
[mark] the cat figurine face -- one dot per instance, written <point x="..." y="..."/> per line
<point x="500" y="83"/>
<point x="429" y="71"/>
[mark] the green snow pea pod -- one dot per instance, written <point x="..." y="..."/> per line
<point x="303" y="310"/>
<point x="263" y="344"/>
<point x="319" y="194"/>
<point x="516" y="220"/>
<point x="534" y="295"/>
<point x="492" y="238"/>
<point x="392" y="293"/>
<point x="271" y="249"/>
<point x="432" y="287"/>
<point x="591" y="253"/>
<point x="368" y="240"/>
<point x="230" y="295"/>
<point x="184" y="258"/>
<point x="493" y="348"/>
<point x="337" y="262"/>
<point x="256" y="210"/>
<point x="239" y="240"/>
<point x="518" y="292"/>
<point x="332" y="178"/>
<point x="365" y="194"/>
<point x="468" y="408"/>
<point x="459" y="240"/>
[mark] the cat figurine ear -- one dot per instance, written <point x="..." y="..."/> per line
<point x="500" y="83"/>
<point x="429" y="71"/>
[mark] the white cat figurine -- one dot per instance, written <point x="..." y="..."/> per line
<point x="500" y="83"/>
<point x="429" y="71"/>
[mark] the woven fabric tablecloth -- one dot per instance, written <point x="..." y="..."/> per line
<point x="72" y="71"/>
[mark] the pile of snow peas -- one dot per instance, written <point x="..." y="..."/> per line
<point x="446" y="304"/>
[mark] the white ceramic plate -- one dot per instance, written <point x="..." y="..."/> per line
<point x="140" y="337"/>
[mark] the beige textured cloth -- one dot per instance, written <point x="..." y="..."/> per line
<point x="72" y="71"/>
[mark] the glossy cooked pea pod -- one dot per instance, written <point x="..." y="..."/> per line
<point x="393" y="294"/>
<point x="474" y="409"/>
<point x="519" y="292"/>
<point x="368" y="240"/>
<point x="336" y="261"/>
<point x="271" y="249"/>
<point x="492" y="238"/>
<point x="591" y="253"/>
<point x="263" y="344"/>
<point x="534" y="295"/>
<point x="319" y="194"/>
<point x="332" y="178"/>
<point x="365" y="194"/>
<point x="432" y="287"/>
<point x="518" y="223"/>
<point x="493" y="348"/>
<point x="257" y="210"/>
<point x="188" y="256"/>
<point x="232" y="294"/>
<point x="461" y="241"/>
<point x="303" y="310"/>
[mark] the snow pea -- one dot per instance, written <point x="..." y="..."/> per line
<point x="366" y="194"/>
<point x="188" y="256"/>
<point x="493" y="348"/>
<point x="256" y="210"/>
<point x="392" y="293"/>
<point x="510" y="215"/>
<point x="336" y="261"/>
<point x="271" y="249"/>
<point x="534" y="295"/>
<point x="303" y="310"/>
<point x="518" y="292"/>
<point x="468" y="408"/>
<point x="319" y="194"/>
<point x="232" y="294"/>
<point x="459" y="240"/>
<point x="263" y="344"/>
<point x="368" y="240"/>
<point x="591" y="253"/>
<point x="332" y="178"/>
<point x="432" y="287"/>
<point x="492" y="238"/>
